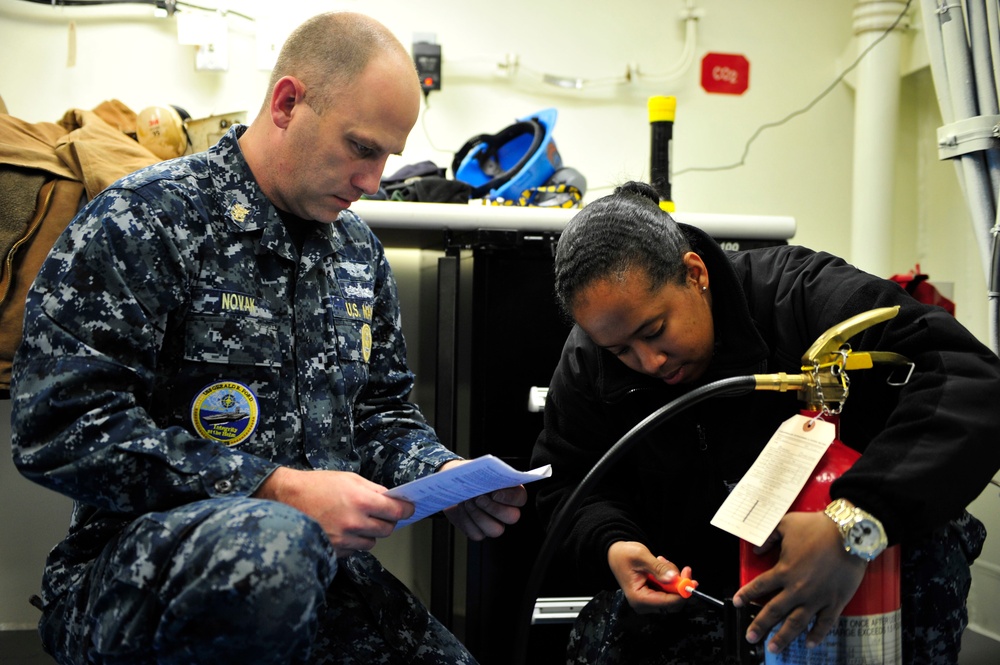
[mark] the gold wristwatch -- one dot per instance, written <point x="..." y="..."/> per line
<point x="863" y="534"/>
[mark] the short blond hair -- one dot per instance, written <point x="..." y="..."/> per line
<point x="330" y="50"/>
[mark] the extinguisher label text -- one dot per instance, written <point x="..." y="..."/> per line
<point x="855" y="640"/>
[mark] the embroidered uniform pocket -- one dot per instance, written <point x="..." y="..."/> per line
<point x="232" y="340"/>
<point x="352" y="330"/>
<point x="354" y="339"/>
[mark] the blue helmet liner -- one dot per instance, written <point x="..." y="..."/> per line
<point x="503" y="165"/>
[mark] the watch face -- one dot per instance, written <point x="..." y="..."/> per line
<point x="864" y="536"/>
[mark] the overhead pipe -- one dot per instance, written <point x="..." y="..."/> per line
<point x="982" y="68"/>
<point x="984" y="31"/>
<point x="965" y="104"/>
<point x="956" y="83"/>
<point x="982" y="25"/>
<point x="876" y="114"/>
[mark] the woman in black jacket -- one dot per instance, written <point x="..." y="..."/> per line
<point x="660" y="309"/>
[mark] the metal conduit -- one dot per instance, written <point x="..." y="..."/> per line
<point x="964" y="51"/>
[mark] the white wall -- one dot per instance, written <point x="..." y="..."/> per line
<point x="795" y="49"/>
<point x="32" y="521"/>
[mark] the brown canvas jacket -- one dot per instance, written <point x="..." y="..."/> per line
<point x="47" y="171"/>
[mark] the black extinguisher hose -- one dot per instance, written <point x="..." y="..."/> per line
<point x="731" y="387"/>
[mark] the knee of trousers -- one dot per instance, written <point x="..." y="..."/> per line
<point x="250" y="553"/>
<point x="183" y="579"/>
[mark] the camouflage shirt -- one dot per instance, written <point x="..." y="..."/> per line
<point x="178" y="347"/>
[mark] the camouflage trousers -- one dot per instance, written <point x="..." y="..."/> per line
<point x="934" y="588"/>
<point x="240" y="581"/>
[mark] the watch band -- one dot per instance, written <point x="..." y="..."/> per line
<point x="841" y="511"/>
<point x="863" y="534"/>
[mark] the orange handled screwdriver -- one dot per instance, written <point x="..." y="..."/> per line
<point x="683" y="587"/>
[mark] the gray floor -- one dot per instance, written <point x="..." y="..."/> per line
<point x="22" y="648"/>
<point x="979" y="650"/>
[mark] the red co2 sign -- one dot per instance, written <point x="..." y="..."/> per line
<point x="725" y="73"/>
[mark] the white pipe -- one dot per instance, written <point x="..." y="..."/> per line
<point x="962" y="90"/>
<point x="935" y="54"/>
<point x="993" y="25"/>
<point x="983" y="39"/>
<point x="690" y="15"/>
<point x="950" y="61"/>
<point x="986" y="87"/>
<point x="939" y="73"/>
<point x="35" y="12"/>
<point x="876" y="113"/>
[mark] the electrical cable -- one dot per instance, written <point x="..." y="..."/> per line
<point x="427" y="133"/>
<point x="189" y="5"/>
<point x="161" y="4"/>
<point x="804" y="109"/>
<point x="731" y="387"/>
<point x="169" y="6"/>
<point x="690" y="17"/>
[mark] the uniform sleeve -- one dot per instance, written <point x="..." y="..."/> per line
<point x="84" y="375"/>
<point x="393" y="437"/>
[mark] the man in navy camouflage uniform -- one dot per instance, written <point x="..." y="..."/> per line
<point x="213" y="369"/>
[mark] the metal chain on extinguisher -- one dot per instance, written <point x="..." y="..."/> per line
<point x="836" y="369"/>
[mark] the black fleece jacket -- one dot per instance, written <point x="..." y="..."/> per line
<point x="928" y="447"/>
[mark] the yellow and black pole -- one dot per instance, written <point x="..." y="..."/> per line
<point x="661" y="122"/>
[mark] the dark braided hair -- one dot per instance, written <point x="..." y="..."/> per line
<point x="617" y="233"/>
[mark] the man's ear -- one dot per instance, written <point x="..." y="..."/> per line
<point x="287" y="94"/>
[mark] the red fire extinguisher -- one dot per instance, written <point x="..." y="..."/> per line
<point x="869" y="628"/>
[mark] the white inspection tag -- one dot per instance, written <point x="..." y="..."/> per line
<point x="763" y="496"/>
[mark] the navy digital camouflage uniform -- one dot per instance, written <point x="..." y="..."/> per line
<point x="177" y="349"/>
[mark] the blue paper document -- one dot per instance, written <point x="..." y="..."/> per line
<point x="443" y="489"/>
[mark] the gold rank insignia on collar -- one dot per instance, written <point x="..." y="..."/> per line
<point x="238" y="212"/>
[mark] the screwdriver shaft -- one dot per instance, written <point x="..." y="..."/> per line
<point x="706" y="596"/>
